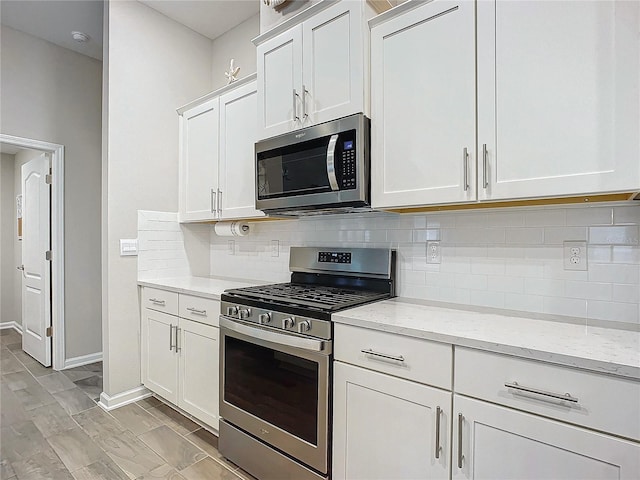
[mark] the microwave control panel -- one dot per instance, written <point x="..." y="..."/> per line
<point x="347" y="144"/>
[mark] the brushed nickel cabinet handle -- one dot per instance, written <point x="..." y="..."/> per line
<point x="295" y="106"/>
<point x="219" y="203"/>
<point x="213" y="201"/>
<point x="438" y="448"/>
<point x="178" y="347"/>
<point x="155" y="301"/>
<point x="397" y="358"/>
<point x="460" y="455"/>
<point x="485" y="176"/>
<point x="465" y="166"/>
<point x="197" y="312"/>
<point x="170" y="336"/>
<point x="304" y="101"/>
<point x="567" y="397"/>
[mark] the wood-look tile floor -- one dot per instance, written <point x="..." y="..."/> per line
<point x="52" y="428"/>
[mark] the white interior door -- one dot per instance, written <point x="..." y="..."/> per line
<point x="36" y="270"/>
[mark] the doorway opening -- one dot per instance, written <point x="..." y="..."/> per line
<point x="55" y="152"/>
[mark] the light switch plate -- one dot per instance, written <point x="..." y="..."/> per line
<point x="128" y="247"/>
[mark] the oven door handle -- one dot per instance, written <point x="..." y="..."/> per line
<point x="331" y="162"/>
<point x="273" y="337"/>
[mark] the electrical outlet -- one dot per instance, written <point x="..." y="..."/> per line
<point x="275" y="248"/>
<point x="231" y="247"/>
<point x="433" y="252"/>
<point x="575" y="255"/>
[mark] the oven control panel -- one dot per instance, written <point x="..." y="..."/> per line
<point x="334" y="257"/>
<point x="269" y="319"/>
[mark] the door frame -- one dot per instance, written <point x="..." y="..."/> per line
<point x="57" y="237"/>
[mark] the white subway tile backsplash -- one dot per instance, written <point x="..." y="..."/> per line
<point x="613" y="311"/>
<point x="504" y="258"/>
<point x="618" y="235"/>
<point x="627" y="214"/>
<point x="589" y="216"/>
<point x="572" y="307"/>
<point x="524" y="236"/>
<point x="614" y="273"/>
<point x="626" y="293"/>
<point x="558" y="235"/>
<point x="588" y="290"/>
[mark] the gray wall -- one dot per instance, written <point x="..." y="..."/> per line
<point x="53" y="94"/>
<point x="236" y="44"/>
<point x="155" y="65"/>
<point x="8" y="231"/>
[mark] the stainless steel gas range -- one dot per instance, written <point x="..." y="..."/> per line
<point x="275" y="359"/>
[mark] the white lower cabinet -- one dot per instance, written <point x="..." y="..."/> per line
<point x="388" y="428"/>
<point x="159" y="361"/>
<point x="180" y="357"/>
<point x="490" y="441"/>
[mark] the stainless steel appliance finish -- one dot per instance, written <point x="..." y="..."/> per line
<point x="275" y="359"/>
<point x="317" y="170"/>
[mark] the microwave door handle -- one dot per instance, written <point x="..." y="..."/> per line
<point x="331" y="166"/>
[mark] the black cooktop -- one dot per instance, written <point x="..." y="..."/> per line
<point x="315" y="297"/>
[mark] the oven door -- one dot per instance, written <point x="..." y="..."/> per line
<point x="275" y="386"/>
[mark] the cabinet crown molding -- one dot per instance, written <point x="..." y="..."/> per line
<point x="293" y="21"/>
<point x="217" y="93"/>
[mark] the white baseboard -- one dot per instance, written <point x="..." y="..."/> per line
<point x="15" y="325"/>
<point x="83" y="360"/>
<point x="109" y="402"/>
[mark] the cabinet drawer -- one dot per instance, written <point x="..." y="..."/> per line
<point x="198" y="309"/>
<point x="405" y="357"/>
<point x="160" y="300"/>
<point x="602" y="402"/>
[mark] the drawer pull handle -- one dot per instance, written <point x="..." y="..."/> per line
<point x="460" y="455"/>
<point x="157" y="302"/>
<point x="397" y="358"/>
<point x="197" y="312"/>
<point x="559" y="396"/>
<point x="438" y="447"/>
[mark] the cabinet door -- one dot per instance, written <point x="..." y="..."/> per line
<point x="280" y="83"/>
<point x="498" y="442"/>
<point x="558" y="98"/>
<point x="159" y="359"/>
<point x="237" y="197"/>
<point x="423" y="106"/>
<point x="333" y="63"/>
<point x="198" y="349"/>
<point x="385" y="427"/>
<point x="199" y="162"/>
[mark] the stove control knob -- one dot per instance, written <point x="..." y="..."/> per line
<point x="244" y="313"/>
<point x="264" y="318"/>
<point x="232" y="311"/>
<point x="304" y="326"/>
<point x="289" y="322"/>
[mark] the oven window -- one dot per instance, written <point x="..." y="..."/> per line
<point x="279" y="388"/>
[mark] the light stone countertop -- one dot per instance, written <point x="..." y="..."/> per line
<point x="208" y="287"/>
<point x="603" y="350"/>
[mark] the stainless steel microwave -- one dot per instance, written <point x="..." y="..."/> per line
<point x="316" y="170"/>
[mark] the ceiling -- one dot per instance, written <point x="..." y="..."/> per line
<point x="54" y="20"/>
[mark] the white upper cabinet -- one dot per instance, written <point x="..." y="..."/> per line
<point x="556" y="111"/>
<point x="280" y="83"/>
<point x="199" y="162"/>
<point x="217" y="139"/>
<point x="314" y="71"/>
<point x="558" y="98"/>
<point x="423" y="106"/>
<point x="238" y="126"/>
